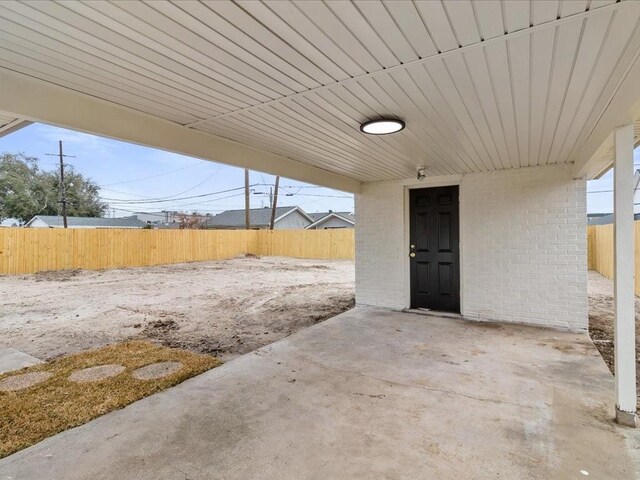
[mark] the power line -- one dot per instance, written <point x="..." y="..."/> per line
<point x="601" y="191"/>
<point x="141" y="199"/>
<point x="169" y="199"/>
<point x="165" y="200"/>
<point x="162" y="213"/>
<point x="180" y="206"/>
<point x="199" y="184"/>
<point x="125" y="193"/>
<point x="316" y="195"/>
<point x="191" y="203"/>
<point x="305" y="194"/>
<point x="209" y="202"/>
<point x="160" y="198"/>
<point x="156" y="175"/>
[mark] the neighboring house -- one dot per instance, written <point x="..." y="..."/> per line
<point x="167" y="219"/>
<point x="150" y="217"/>
<point x="10" y="222"/>
<point x="53" y="221"/>
<point x="330" y="219"/>
<point x="167" y="226"/>
<point x="286" y="217"/>
<point x="599" y="218"/>
<point x="605" y="218"/>
<point x="164" y="216"/>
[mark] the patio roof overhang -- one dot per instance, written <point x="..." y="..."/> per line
<point x="603" y="158"/>
<point x="283" y="87"/>
<point x="9" y="124"/>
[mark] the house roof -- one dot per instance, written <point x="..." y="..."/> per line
<point x="10" y="222"/>
<point x="57" y="221"/>
<point x="324" y="216"/>
<point x="167" y="226"/>
<point x="260" y="217"/>
<point x="481" y="86"/>
<point x="605" y="218"/>
<point x="318" y="215"/>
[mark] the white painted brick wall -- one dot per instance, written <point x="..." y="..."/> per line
<point x="380" y="245"/>
<point x="524" y="247"/>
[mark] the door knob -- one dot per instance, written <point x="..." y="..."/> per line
<point x="412" y="254"/>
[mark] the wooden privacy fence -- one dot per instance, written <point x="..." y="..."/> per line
<point x="600" y="250"/>
<point x="30" y="250"/>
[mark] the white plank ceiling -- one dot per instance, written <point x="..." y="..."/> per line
<point x="481" y="85"/>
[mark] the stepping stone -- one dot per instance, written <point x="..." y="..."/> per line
<point x="12" y="359"/>
<point x="95" y="374"/>
<point x="156" y="370"/>
<point x="23" y="380"/>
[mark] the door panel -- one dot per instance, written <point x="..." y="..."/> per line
<point x="422" y="228"/>
<point x="435" y="244"/>
<point x="445" y="278"/>
<point x="444" y="232"/>
<point x="445" y="199"/>
<point x="424" y="286"/>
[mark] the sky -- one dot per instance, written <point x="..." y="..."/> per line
<point x="599" y="201"/>
<point x="130" y="175"/>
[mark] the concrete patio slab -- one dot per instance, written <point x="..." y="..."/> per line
<point x="12" y="359"/>
<point x="367" y="394"/>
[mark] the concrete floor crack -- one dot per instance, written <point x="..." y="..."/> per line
<point x="421" y="387"/>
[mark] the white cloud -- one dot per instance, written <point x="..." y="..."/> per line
<point x="68" y="136"/>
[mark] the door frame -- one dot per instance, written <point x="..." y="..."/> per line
<point x="406" y="263"/>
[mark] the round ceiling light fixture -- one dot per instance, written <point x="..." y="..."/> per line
<point x="382" y="126"/>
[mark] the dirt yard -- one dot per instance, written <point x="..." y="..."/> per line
<point x="601" y="319"/>
<point x="224" y="308"/>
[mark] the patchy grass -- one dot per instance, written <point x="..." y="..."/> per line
<point x="30" y="415"/>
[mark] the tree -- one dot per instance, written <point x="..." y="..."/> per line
<point x="191" y="221"/>
<point x="26" y="190"/>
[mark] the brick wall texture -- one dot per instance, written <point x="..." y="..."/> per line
<point x="523" y="246"/>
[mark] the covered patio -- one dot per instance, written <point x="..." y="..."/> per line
<point x="476" y="206"/>
<point x="368" y="394"/>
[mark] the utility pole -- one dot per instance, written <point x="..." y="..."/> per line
<point x="63" y="193"/>
<point x="247" y="218"/>
<point x="275" y="203"/>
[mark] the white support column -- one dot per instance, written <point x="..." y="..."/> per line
<point x="625" y="334"/>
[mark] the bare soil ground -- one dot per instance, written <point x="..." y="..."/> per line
<point x="224" y="308"/>
<point x="601" y="319"/>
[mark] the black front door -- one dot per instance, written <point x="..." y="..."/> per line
<point x="435" y="249"/>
